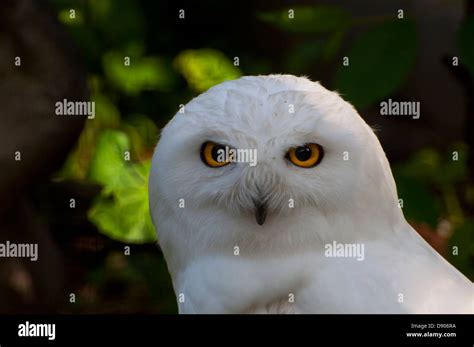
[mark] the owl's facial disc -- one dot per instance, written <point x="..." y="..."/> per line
<point x="262" y="188"/>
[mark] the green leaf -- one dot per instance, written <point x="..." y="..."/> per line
<point x="108" y="163"/>
<point x="304" y="55"/>
<point x="308" y="19"/>
<point x="379" y="62"/>
<point x="121" y="211"/>
<point x="204" y="68"/>
<point x="466" y="43"/>
<point x="125" y="217"/>
<point x="143" y="73"/>
<point x="311" y="51"/>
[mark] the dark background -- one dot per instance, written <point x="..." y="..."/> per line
<point x="80" y="55"/>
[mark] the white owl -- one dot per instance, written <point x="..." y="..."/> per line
<point x="280" y="236"/>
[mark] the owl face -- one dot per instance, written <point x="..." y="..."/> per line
<point x="311" y="149"/>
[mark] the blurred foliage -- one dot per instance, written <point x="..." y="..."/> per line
<point x="416" y="179"/>
<point x="205" y="68"/>
<point x="127" y="14"/>
<point x="122" y="71"/>
<point x="121" y="211"/>
<point x="142" y="74"/>
<point x="387" y="49"/>
<point x="65" y="17"/>
<point x="466" y="43"/>
<point x="308" y="19"/>
<point x="322" y="26"/>
<point x="141" y="70"/>
<point x="124" y="284"/>
<point x="379" y="62"/>
<point x="304" y="55"/>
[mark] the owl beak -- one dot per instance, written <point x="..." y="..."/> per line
<point x="260" y="212"/>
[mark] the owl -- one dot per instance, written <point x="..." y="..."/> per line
<point x="313" y="226"/>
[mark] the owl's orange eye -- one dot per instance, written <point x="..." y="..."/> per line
<point x="306" y="156"/>
<point x="213" y="154"/>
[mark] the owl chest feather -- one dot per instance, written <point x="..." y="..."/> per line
<point x="282" y="306"/>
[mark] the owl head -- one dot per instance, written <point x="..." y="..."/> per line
<point x="299" y="152"/>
